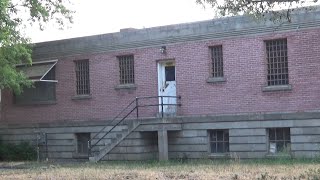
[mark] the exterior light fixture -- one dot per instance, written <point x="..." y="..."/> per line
<point x="163" y="49"/>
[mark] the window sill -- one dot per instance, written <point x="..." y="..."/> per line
<point x="81" y="97"/>
<point x="278" y="155"/>
<point x="126" y="86"/>
<point x="277" y="88"/>
<point x="79" y="156"/>
<point x="219" y="155"/>
<point x="216" y="80"/>
<point x="37" y="103"/>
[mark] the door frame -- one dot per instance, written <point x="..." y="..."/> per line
<point x="161" y="75"/>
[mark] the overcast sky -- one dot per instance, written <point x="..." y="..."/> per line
<point x="106" y="16"/>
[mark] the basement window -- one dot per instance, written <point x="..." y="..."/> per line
<point x="219" y="141"/>
<point x="279" y="140"/>
<point x="126" y="68"/>
<point x="82" y="143"/>
<point x="82" y="77"/>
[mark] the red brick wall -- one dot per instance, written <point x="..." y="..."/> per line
<point x="244" y="70"/>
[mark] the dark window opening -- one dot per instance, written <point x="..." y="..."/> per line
<point x="279" y="140"/>
<point x="217" y="61"/>
<point x="277" y="57"/>
<point x="82" y="142"/>
<point x="40" y="92"/>
<point x="219" y="141"/>
<point x="126" y="67"/>
<point x="82" y="77"/>
<point x="170" y="72"/>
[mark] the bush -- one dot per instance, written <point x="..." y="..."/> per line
<point x="17" y="152"/>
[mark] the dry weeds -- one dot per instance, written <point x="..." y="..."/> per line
<point x="153" y="170"/>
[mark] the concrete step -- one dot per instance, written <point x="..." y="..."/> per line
<point x="114" y="141"/>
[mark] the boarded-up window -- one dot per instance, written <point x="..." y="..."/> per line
<point x="82" y="142"/>
<point x="277" y="58"/>
<point x="217" y="61"/>
<point x="219" y="141"/>
<point x="41" y="92"/>
<point x="82" y="77"/>
<point x="279" y="140"/>
<point x="126" y="67"/>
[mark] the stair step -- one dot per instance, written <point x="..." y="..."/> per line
<point x="114" y="140"/>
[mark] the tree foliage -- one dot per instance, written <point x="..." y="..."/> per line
<point x="274" y="10"/>
<point x="15" y="47"/>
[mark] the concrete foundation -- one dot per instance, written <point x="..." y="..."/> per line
<point x="187" y="138"/>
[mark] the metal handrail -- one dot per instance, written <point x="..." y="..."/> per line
<point x="136" y="107"/>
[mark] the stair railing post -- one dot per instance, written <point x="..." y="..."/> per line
<point x="137" y="107"/>
<point x="161" y="106"/>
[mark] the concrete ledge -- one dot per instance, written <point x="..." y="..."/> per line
<point x="276" y="116"/>
<point x="216" y="80"/>
<point x="158" y="127"/>
<point x="81" y="97"/>
<point x="277" y="88"/>
<point x="126" y="86"/>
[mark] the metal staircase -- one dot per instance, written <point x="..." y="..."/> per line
<point x="107" y="139"/>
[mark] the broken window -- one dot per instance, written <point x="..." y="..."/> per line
<point x="219" y="141"/>
<point x="82" y="77"/>
<point x="277" y="58"/>
<point x="217" y="61"/>
<point x="279" y="140"/>
<point x="82" y="142"/>
<point x="126" y="67"/>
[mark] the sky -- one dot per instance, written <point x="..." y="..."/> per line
<point x="106" y="16"/>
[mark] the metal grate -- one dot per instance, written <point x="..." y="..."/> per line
<point x="277" y="56"/>
<point x="280" y="137"/>
<point x="219" y="141"/>
<point x="82" y="77"/>
<point x="217" y="61"/>
<point x="126" y="66"/>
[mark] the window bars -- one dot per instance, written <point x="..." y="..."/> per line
<point x="277" y="57"/>
<point x="82" y="77"/>
<point x="217" y="61"/>
<point x="219" y="141"/>
<point x="280" y="137"/>
<point x="126" y="67"/>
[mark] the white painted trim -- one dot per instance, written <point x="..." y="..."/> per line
<point x="42" y="62"/>
<point x="53" y="81"/>
<point x="48" y="71"/>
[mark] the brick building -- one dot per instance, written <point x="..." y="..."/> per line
<point x="246" y="89"/>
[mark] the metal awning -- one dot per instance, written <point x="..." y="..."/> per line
<point x="37" y="71"/>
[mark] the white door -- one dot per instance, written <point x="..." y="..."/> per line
<point x="167" y="86"/>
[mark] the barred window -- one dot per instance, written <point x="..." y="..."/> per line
<point x="82" y="77"/>
<point x="277" y="57"/>
<point x="126" y="67"/>
<point x="279" y="140"/>
<point x="217" y="61"/>
<point x="219" y="141"/>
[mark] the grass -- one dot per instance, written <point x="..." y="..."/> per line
<point x="197" y="169"/>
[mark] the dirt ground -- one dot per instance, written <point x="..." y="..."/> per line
<point x="195" y="170"/>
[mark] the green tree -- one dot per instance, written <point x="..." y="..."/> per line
<point x="274" y="10"/>
<point x="15" y="47"/>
